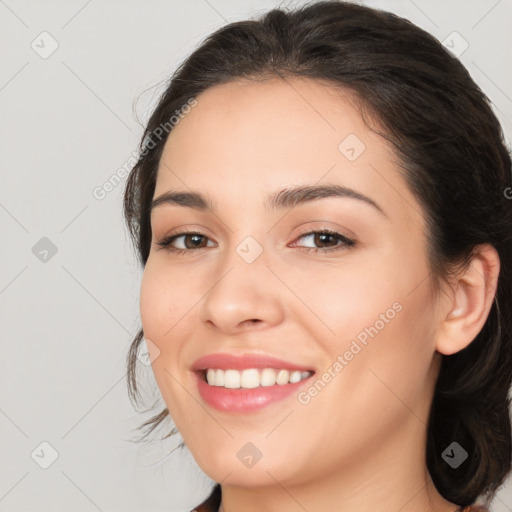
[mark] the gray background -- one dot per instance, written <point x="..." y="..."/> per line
<point x="67" y="125"/>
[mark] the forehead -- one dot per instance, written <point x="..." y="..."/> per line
<point x="247" y="138"/>
<point x="267" y="119"/>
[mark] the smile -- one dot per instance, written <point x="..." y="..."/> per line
<point x="253" y="377"/>
<point x="245" y="383"/>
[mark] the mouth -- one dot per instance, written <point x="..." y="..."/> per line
<point x="249" y="382"/>
<point x="252" y="377"/>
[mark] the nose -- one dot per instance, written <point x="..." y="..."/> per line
<point x="243" y="296"/>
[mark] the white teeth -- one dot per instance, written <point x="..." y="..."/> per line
<point x="252" y="378"/>
<point x="283" y="377"/>
<point x="295" y="376"/>
<point x="219" y="378"/>
<point x="232" y="379"/>
<point x="268" y="377"/>
<point x="210" y="376"/>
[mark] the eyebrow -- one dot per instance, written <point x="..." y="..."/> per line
<point x="285" y="198"/>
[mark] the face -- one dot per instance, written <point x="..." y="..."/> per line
<point x="336" y="284"/>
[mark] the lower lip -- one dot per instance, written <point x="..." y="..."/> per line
<point x="245" y="400"/>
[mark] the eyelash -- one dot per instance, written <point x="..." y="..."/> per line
<point x="347" y="243"/>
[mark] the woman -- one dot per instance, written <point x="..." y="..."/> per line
<point x="320" y="207"/>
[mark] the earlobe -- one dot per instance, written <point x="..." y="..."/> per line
<point x="469" y="301"/>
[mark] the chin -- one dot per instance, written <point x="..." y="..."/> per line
<point x="232" y="471"/>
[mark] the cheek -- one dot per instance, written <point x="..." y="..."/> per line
<point x="162" y="297"/>
<point x="152" y="301"/>
<point x="379" y="318"/>
<point x="347" y="300"/>
<point x="161" y="308"/>
<point x="394" y="354"/>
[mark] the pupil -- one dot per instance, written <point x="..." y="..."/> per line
<point x="322" y="236"/>
<point x="196" y="237"/>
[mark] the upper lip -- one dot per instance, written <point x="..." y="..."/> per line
<point x="226" y="361"/>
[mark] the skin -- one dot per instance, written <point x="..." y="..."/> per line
<point x="359" y="444"/>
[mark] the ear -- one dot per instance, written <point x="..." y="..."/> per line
<point x="468" y="301"/>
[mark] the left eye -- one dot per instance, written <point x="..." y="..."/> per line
<point x="317" y="237"/>
<point x="323" y="237"/>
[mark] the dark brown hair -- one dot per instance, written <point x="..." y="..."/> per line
<point x="452" y="156"/>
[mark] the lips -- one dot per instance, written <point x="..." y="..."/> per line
<point x="225" y="361"/>
<point x="245" y="400"/>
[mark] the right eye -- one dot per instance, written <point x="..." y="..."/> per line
<point x="194" y="237"/>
